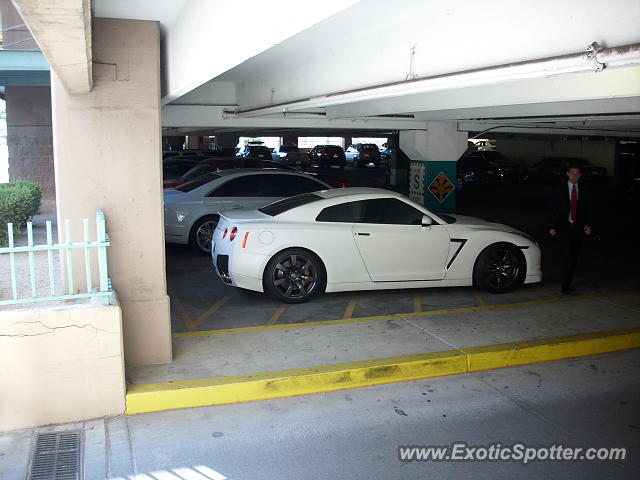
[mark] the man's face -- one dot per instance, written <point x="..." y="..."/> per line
<point x="574" y="174"/>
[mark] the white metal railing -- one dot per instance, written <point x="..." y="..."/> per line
<point x="104" y="289"/>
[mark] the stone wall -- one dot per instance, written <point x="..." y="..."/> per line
<point x="30" y="136"/>
<point x="31" y="156"/>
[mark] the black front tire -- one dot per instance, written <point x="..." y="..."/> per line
<point x="500" y="268"/>
<point x="294" y="275"/>
<point x="201" y="234"/>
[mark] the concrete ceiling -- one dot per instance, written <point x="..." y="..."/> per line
<point x="352" y="66"/>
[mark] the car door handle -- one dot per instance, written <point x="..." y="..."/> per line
<point x="364" y="234"/>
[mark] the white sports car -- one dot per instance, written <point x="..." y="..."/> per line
<point x="366" y="239"/>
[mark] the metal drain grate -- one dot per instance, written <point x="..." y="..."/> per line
<point x="56" y="456"/>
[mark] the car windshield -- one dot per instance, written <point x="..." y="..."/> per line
<point x="195" y="172"/>
<point x="368" y="147"/>
<point x="197" y="182"/>
<point x="287" y="204"/>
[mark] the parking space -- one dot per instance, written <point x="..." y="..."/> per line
<point x="201" y="302"/>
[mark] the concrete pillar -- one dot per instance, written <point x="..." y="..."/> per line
<point x="227" y="142"/>
<point x="107" y="146"/>
<point x="290" y="140"/>
<point x="194" y="142"/>
<point x="433" y="154"/>
<point x="29" y="136"/>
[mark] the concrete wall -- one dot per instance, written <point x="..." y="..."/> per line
<point x="107" y="147"/>
<point x="29" y="136"/>
<point x="60" y="365"/>
<point x="600" y="152"/>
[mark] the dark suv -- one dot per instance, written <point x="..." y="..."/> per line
<point x="260" y="152"/>
<point x="324" y="156"/>
<point x="363" y="154"/>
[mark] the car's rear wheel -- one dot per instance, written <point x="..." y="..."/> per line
<point x="202" y="233"/>
<point x="294" y="276"/>
<point x="499" y="268"/>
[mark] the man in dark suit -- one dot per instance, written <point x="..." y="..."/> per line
<point x="569" y="220"/>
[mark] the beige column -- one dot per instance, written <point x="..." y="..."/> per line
<point x="107" y="147"/>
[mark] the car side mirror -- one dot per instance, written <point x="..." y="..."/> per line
<point x="427" y="221"/>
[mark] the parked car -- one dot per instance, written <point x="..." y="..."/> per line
<point x="189" y="153"/>
<point x="366" y="239"/>
<point x="289" y="155"/>
<point x="362" y="154"/>
<point x="260" y="152"/>
<point x="552" y="170"/>
<point x="472" y="170"/>
<point x="191" y="210"/>
<point x="385" y="154"/>
<point x="174" y="167"/>
<point x="324" y="156"/>
<point x="509" y="170"/>
<point x="216" y="164"/>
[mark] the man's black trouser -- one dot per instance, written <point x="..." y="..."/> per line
<point x="570" y="236"/>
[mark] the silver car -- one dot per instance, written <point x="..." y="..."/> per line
<point x="190" y="210"/>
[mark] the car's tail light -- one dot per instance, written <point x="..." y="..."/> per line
<point x="325" y="154"/>
<point x="343" y="185"/>
<point x="244" y="242"/>
<point x="224" y="234"/>
<point x="233" y="233"/>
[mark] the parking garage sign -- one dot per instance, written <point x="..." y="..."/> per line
<point x="417" y="182"/>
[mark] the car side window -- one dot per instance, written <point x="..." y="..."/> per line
<point x="293" y="185"/>
<point x="349" y="212"/>
<point x="246" y="186"/>
<point x="390" y="211"/>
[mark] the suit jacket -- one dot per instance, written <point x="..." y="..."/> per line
<point x="561" y="205"/>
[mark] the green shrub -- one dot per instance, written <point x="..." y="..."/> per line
<point x="19" y="202"/>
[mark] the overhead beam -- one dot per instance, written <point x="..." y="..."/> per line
<point x="193" y="116"/>
<point x="551" y="95"/>
<point x="62" y="29"/>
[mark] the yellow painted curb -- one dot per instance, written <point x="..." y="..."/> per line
<point x="303" y="381"/>
<point x="549" y="349"/>
<point x="286" y="383"/>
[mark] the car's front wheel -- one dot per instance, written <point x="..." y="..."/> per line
<point x="294" y="276"/>
<point x="499" y="268"/>
<point x="202" y="233"/>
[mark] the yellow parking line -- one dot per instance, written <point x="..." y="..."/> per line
<point x="276" y="316"/>
<point x="182" y="312"/>
<point x="213" y="309"/>
<point x="479" y="300"/>
<point x="417" y="303"/>
<point x="546" y="294"/>
<point x="430" y="313"/>
<point x="351" y="306"/>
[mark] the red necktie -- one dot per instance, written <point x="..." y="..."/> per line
<point x="574" y="204"/>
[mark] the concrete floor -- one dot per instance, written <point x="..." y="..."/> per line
<point x="588" y="402"/>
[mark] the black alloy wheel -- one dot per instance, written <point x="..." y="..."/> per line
<point x="499" y="268"/>
<point x="294" y="276"/>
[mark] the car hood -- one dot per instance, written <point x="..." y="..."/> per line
<point x="463" y="220"/>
